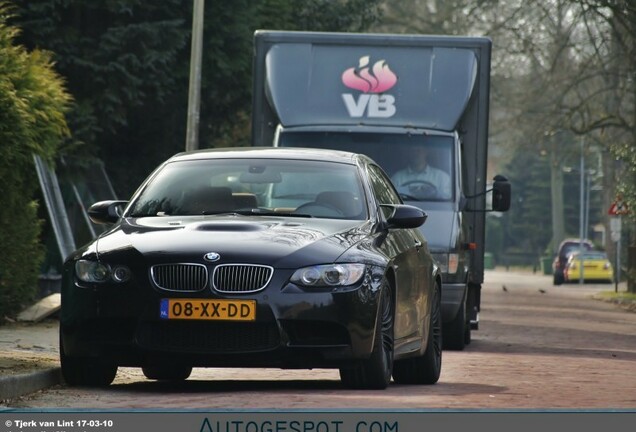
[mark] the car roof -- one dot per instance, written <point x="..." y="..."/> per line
<point x="272" y="153"/>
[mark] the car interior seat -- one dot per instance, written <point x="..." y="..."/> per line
<point x="208" y="199"/>
<point x="348" y="204"/>
<point x="243" y="200"/>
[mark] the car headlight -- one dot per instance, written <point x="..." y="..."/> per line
<point x="448" y="263"/>
<point x="98" y="272"/>
<point x="328" y="275"/>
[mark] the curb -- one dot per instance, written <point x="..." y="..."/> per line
<point x="19" y="385"/>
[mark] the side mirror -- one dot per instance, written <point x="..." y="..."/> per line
<point x="105" y="212"/>
<point x="501" y="191"/>
<point x="406" y="216"/>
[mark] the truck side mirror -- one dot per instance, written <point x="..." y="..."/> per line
<point x="501" y="191"/>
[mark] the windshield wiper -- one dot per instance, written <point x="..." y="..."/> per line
<point x="407" y="197"/>
<point x="220" y="213"/>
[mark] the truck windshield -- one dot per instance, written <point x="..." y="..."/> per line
<point x="420" y="166"/>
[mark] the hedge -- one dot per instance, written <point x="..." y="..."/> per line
<point x="33" y="102"/>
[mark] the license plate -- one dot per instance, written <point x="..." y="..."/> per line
<point x="199" y="309"/>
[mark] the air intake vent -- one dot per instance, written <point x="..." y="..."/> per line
<point x="241" y="278"/>
<point x="179" y="277"/>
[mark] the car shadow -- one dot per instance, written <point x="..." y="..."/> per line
<point x="299" y="387"/>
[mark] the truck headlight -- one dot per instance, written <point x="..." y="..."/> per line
<point x="448" y="263"/>
<point x="329" y="275"/>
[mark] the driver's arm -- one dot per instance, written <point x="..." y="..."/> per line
<point x="445" y="185"/>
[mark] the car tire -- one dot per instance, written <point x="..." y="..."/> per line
<point x="455" y="331"/>
<point x="425" y="369"/>
<point x="558" y="279"/>
<point x="167" y="372"/>
<point x="375" y="372"/>
<point x="86" y="371"/>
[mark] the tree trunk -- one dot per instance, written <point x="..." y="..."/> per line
<point x="609" y="195"/>
<point x="631" y="249"/>
<point x="631" y="269"/>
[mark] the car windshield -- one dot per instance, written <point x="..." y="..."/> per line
<point x="420" y="166"/>
<point x="572" y="248"/>
<point x="253" y="187"/>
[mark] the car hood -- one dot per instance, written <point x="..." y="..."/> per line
<point x="276" y="241"/>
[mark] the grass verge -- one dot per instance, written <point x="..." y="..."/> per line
<point x="624" y="299"/>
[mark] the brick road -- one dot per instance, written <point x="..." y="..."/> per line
<point x="538" y="350"/>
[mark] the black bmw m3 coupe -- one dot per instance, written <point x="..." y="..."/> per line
<point x="255" y="257"/>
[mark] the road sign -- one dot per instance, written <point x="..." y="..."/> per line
<point x="618" y="208"/>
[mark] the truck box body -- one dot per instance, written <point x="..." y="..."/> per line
<point x="386" y="95"/>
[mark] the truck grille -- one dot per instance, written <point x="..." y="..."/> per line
<point x="180" y="277"/>
<point x="241" y="278"/>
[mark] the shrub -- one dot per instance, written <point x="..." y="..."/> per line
<point x="32" y="106"/>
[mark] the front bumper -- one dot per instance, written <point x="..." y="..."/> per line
<point x="294" y="327"/>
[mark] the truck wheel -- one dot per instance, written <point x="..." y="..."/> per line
<point x="425" y="369"/>
<point x="375" y="372"/>
<point x="86" y="371"/>
<point x="473" y="305"/>
<point x="167" y="372"/>
<point x="455" y="331"/>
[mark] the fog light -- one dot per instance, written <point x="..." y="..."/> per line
<point x="121" y="274"/>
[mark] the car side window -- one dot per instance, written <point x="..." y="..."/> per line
<point x="383" y="189"/>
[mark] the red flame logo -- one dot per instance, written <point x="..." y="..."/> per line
<point x="379" y="80"/>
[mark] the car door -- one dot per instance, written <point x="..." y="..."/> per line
<point x="403" y="247"/>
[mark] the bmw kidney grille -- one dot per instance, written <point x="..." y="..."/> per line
<point x="180" y="277"/>
<point x="241" y="278"/>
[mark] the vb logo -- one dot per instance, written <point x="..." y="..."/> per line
<point x="373" y="82"/>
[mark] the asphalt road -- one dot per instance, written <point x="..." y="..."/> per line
<point x="538" y="347"/>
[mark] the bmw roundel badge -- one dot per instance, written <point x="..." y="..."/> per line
<point x="212" y="256"/>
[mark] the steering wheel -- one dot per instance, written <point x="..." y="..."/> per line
<point x="319" y="209"/>
<point x="422" y="186"/>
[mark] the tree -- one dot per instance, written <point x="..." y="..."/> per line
<point x="127" y="65"/>
<point x="609" y="108"/>
<point x="231" y="68"/>
<point x="33" y="102"/>
<point x="531" y="177"/>
<point x="544" y="56"/>
<point x="542" y="65"/>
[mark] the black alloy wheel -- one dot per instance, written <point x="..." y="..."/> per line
<point x="425" y="369"/>
<point x="375" y="372"/>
